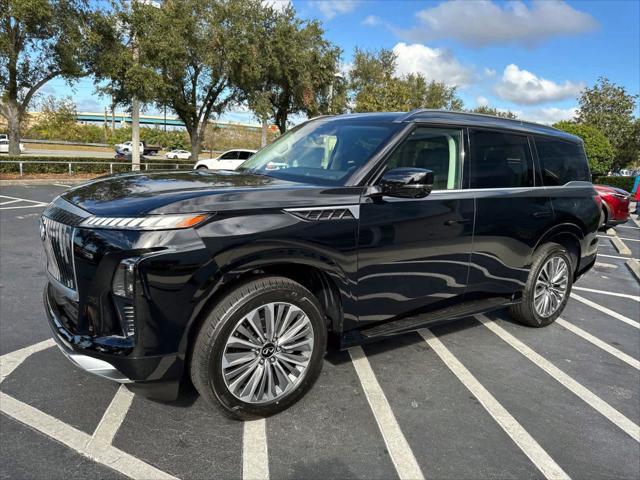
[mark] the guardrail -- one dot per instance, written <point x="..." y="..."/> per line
<point x="21" y="164"/>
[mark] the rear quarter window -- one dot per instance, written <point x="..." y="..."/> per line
<point x="561" y="161"/>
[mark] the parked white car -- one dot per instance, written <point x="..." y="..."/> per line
<point x="229" y="160"/>
<point x="181" y="154"/>
<point x="4" y="146"/>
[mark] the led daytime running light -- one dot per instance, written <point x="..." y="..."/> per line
<point x="150" y="222"/>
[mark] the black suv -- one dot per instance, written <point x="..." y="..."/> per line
<point x="345" y="230"/>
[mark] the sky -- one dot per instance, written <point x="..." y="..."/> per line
<point x="530" y="57"/>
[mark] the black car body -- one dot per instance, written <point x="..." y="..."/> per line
<point x="387" y="247"/>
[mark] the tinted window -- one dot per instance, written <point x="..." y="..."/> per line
<point x="229" y="156"/>
<point x="244" y="155"/>
<point x="561" y="162"/>
<point x="324" y="151"/>
<point x="500" y="160"/>
<point x="435" y="149"/>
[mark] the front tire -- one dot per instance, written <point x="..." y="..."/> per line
<point x="260" y="349"/>
<point x="548" y="287"/>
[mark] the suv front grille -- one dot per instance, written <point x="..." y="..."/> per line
<point x="58" y="246"/>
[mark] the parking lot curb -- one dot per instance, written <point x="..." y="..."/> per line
<point x="42" y="181"/>
<point x="634" y="266"/>
<point x="621" y="247"/>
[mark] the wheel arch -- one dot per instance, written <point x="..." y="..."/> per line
<point x="569" y="236"/>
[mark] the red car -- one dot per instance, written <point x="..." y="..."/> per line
<point x="615" y="204"/>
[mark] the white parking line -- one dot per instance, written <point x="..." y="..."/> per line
<point x="24" y="206"/>
<point x="621" y="238"/>
<point x="62" y="185"/>
<point x="22" y="200"/>
<point x="606" y="310"/>
<point x="255" y="457"/>
<point x="10" y="361"/>
<point x="111" y="420"/>
<point x="10" y="201"/>
<point x="397" y="445"/>
<point x="602" y="407"/>
<point x="612" y="256"/>
<point x="628" y="226"/>
<point x="532" y="449"/>
<point x="635" y="219"/>
<point x="78" y="441"/>
<point x="603" y="292"/>
<point x="628" y="359"/>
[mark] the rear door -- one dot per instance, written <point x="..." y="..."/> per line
<point x="512" y="213"/>
<point x="414" y="253"/>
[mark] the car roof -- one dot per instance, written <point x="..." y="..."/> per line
<point x="238" y="150"/>
<point x="462" y="119"/>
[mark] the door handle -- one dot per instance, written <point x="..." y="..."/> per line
<point x="542" y="214"/>
<point x="448" y="223"/>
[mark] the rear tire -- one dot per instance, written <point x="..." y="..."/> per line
<point x="548" y="287"/>
<point x="237" y="339"/>
<point x="202" y="167"/>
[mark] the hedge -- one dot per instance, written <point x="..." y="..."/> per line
<point x="625" y="183"/>
<point x="44" y="165"/>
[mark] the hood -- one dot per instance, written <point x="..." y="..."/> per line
<point x="135" y="194"/>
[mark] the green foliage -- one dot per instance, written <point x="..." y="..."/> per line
<point x="39" y="40"/>
<point x="598" y="149"/>
<point x="629" y="151"/>
<point x="625" y="183"/>
<point x="288" y="67"/>
<point x="375" y="87"/>
<point x="95" y="165"/>
<point x="609" y="108"/>
<point x="486" y="110"/>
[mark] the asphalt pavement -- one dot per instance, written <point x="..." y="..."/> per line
<point x="478" y="398"/>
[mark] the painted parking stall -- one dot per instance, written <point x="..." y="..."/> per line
<point x="478" y="398"/>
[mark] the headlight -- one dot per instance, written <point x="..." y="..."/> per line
<point x="150" y="222"/>
<point x="620" y="196"/>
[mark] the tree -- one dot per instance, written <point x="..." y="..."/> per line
<point x="599" y="151"/>
<point x="486" y="110"/>
<point x="375" y="86"/>
<point x="39" y="41"/>
<point x="289" y="68"/>
<point x="629" y="152"/>
<point x="609" y="108"/>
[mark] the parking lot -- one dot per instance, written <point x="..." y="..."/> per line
<point x="478" y="398"/>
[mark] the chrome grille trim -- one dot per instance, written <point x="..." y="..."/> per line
<point x="58" y="246"/>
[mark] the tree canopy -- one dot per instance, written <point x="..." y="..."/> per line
<point x="39" y="40"/>
<point x="598" y="149"/>
<point x="486" y="110"/>
<point x="609" y="108"/>
<point x="376" y="87"/>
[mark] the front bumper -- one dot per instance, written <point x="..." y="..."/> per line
<point x="155" y="376"/>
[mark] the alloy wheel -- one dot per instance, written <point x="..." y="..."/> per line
<point x="268" y="352"/>
<point x="551" y="286"/>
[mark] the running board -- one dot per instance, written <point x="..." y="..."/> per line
<point x="454" y="312"/>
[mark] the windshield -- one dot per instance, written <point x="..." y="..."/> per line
<point x="323" y="151"/>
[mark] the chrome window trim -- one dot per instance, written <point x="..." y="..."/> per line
<point x="354" y="209"/>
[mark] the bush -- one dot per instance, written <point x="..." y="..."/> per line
<point x="625" y="183"/>
<point x="93" y="165"/>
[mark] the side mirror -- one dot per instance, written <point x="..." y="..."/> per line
<point x="407" y="182"/>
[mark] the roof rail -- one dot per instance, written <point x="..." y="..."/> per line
<point x="408" y="115"/>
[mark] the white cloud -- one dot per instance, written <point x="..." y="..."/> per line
<point x="277" y="5"/>
<point x="482" y="22"/>
<point x="547" y="116"/>
<point x="372" y="21"/>
<point x="434" y="63"/>
<point x="482" y="101"/>
<point x="522" y="86"/>
<point x="489" y="72"/>
<point x="331" y="8"/>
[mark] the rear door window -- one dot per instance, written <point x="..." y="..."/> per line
<point x="500" y="160"/>
<point x="230" y="156"/>
<point x="561" y="162"/>
<point x="435" y="149"/>
<point x="244" y="155"/>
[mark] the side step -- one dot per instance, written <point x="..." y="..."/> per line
<point x="453" y="312"/>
